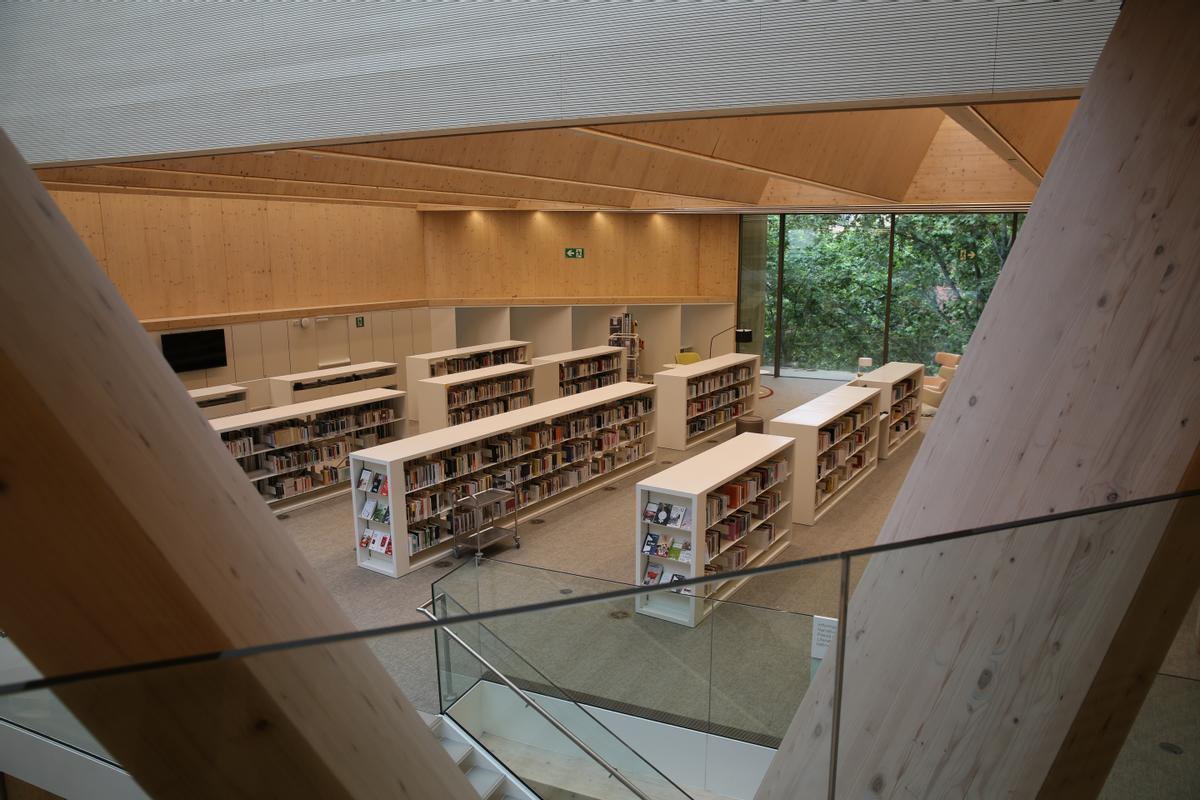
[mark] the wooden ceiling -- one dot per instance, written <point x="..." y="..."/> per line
<point x="961" y="156"/>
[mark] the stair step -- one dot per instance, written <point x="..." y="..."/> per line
<point x="484" y="780"/>
<point x="457" y="750"/>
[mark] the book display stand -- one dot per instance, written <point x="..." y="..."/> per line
<point x="302" y="386"/>
<point x="899" y="384"/>
<point x="220" y="401"/>
<point x="479" y="393"/>
<point x="837" y="440"/>
<point x="724" y="509"/>
<point x="461" y="359"/>
<point x="545" y="455"/>
<point x="297" y="454"/>
<point x="587" y="369"/>
<point x="700" y="400"/>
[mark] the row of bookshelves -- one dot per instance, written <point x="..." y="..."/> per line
<point x="543" y="454"/>
<point x="302" y="449"/>
<point x="718" y="511"/>
<point x="441" y="363"/>
<point x="899" y="384"/>
<point x="700" y="400"/>
<point x="477" y="394"/>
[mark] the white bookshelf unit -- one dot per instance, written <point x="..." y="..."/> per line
<point x="899" y="384"/>
<point x="700" y="400"/>
<point x="479" y="393"/>
<point x="584" y="370"/>
<point x="460" y="359"/>
<point x="303" y="386"/>
<point x="837" y="440"/>
<point x="730" y="509"/>
<point x="298" y="453"/>
<point x="551" y="453"/>
<point x="220" y="401"/>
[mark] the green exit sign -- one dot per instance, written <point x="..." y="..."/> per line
<point x="573" y="252"/>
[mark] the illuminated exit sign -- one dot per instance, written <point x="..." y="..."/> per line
<point x="573" y="252"/>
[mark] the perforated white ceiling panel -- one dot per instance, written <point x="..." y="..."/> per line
<point x="115" y="79"/>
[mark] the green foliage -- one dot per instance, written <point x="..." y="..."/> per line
<point x="835" y="285"/>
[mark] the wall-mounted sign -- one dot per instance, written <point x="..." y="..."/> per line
<point x="359" y="322"/>
<point x="823" y="633"/>
<point x="573" y="252"/>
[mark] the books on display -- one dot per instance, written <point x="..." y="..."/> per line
<point x="364" y="479"/>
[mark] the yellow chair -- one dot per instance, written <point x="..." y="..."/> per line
<point x="687" y="357"/>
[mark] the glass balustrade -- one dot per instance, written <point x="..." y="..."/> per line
<point x="557" y="678"/>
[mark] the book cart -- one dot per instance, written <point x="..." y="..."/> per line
<point x="298" y="453"/>
<point x="546" y="455"/>
<point x="837" y="440"/>
<point x="478" y="393"/>
<point x="586" y="369"/>
<point x="460" y="359"/>
<point x="899" y="384"/>
<point x="700" y="400"/>
<point x="724" y="509"/>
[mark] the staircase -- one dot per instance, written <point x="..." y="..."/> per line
<point x="489" y="778"/>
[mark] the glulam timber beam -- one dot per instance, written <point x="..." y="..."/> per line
<point x="562" y="155"/>
<point x="327" y="166"/>
<point x="969" y="665"/>
<point x="872" y="153"/>
<point x="981" y="129"/>
<point x="179" y="556"/>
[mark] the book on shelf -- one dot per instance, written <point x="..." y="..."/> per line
<point x="377" y="483"/>
<point x="663" y="515"/>
<point x="653" y="574"/>
<point x="650" y="512"/>
<point x="679" y="516"/>
<point x="364" y="479"/>
<point x="368" y="509"/>
<point x="685" y="550"/>
<point x="383" y="490"/>
<point x="676" y="577"/>
<point x="378" y="514"/>
<point x="674" y="549"/>
<point x="650" y="544"/>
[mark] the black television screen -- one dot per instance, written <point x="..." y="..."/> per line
<point x="194" y="350"/>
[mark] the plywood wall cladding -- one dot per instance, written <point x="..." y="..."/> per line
<point x="497" y="255"/>
<point x="184" y="256"/>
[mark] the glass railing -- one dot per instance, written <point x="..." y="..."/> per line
<point x="563" y="679"/>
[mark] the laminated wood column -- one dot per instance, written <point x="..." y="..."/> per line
<point x="129" y="535"/>
<point x="1011" y="665"/>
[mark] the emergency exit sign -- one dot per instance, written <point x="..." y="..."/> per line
<point x="573" y="252"/>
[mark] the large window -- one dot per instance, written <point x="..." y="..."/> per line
<point x="829" y="304"/>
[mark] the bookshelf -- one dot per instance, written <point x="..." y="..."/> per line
<point x="220" y="401"/>
<point x="837" y="440"/>
<point x="583" y="370"/>
<point x="331" y="382"/>
<point x="900" y="381"/>
<point x="730" y="505"/>
<point x="478" y="393"/>
<point x="700" y="400"/>
<point x="553" y="451"/>
<point x="297" y="454"/>
<point x="460" y="359"/>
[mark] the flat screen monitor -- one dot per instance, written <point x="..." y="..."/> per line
<point x="194" y="350"/>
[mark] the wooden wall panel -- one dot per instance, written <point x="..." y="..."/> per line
<point x="477" y="255"/>
<point x="177" y="255"/>
<point x="82" y="209"/>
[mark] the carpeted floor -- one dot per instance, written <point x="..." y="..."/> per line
<point x="695" y="676"/>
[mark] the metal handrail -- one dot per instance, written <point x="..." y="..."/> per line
<point x="529" y="701"/>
